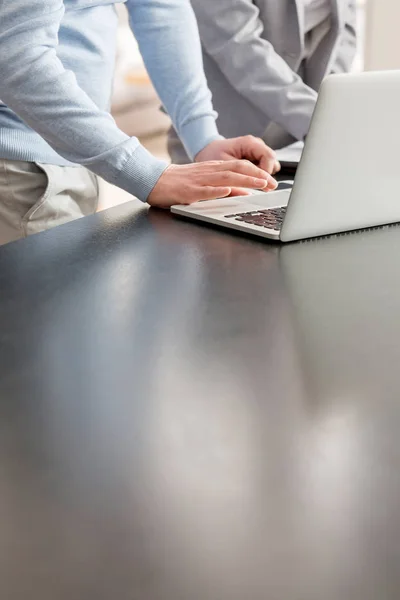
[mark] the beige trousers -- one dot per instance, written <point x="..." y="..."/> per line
<point x="35" y="197"/>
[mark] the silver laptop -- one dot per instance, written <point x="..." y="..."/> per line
<point x="349" y="173"/>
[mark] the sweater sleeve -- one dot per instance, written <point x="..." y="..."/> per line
<point x="37" y="87"/>
<point x="168" y="38"/>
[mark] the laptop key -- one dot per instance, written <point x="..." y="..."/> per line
<point x="269" y="218"/>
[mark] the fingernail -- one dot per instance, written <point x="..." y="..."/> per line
<point x="262" y="183"/>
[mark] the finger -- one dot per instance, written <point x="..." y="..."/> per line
<point x="240" y="192"/>
<point x="245" y="167"/>
<point x="232" y="179"/>
<point x="277" y="167"/>
<point x="246" y="192"/>
<point x="273" y="184"/>
<point x="256" y="149"/>
<point x="268" y="163"/>
<point x="208" y="192"/>
<point x="261" y="174"/>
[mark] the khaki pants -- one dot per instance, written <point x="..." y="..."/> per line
<point x="35" y="197"/>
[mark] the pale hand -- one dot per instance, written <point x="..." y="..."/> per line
<point x="185" y="184"/>
<point x="248" y="147"/>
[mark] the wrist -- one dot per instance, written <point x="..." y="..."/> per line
<point x="198" y="134"/>
<point x="140" y="173"/>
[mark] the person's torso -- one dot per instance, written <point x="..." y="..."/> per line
<point x="315" y="13"/>
<point x="285" y="24"/>
<point x="284" y="27"/>
<point x="86" y="46"/>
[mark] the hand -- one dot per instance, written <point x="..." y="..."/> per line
<point x="185" y="184"/>
<point x="248" y="147"/>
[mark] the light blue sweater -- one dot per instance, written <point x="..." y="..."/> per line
<point x="56" y="68"/>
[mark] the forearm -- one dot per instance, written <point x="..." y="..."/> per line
<point x="168" y="38"/>
<point x="35" y="85"/>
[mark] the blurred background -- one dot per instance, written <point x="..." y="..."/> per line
<point x="135" y="105"/>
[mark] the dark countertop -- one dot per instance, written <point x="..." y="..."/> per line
<point x="189" y="414"/>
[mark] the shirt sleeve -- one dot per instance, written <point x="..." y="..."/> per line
<point x="231" y="34"/>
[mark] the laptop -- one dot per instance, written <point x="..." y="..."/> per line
<point x="348" y="177"/>
<point x="289" y="157"/>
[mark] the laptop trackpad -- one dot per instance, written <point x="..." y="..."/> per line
<point x="271" y="199"/>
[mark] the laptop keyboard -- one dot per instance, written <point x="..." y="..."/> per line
<point x="271" y="218"/>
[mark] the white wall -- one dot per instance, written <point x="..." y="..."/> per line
<point x="382" y="41"/>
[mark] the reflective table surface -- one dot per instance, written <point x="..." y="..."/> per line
<point x="190" y="414"/>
